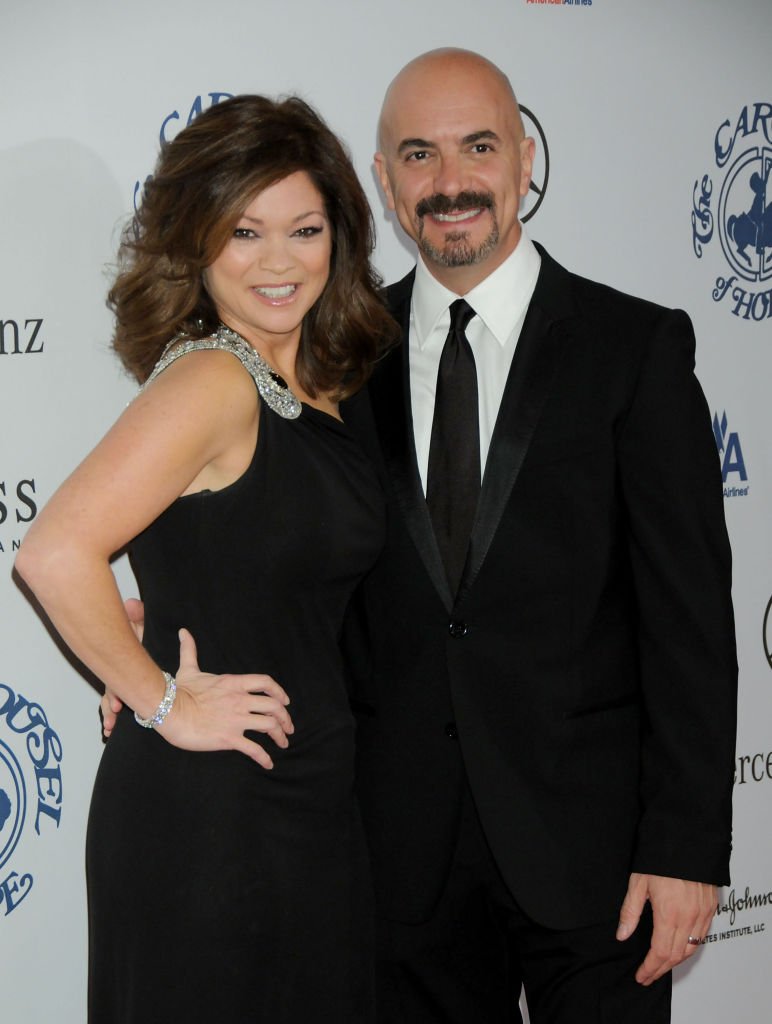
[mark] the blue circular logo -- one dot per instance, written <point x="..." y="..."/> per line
<point x="13" y="802"/>
<point x="745" y="214"/>
<point x="25" y="729"/>
<point x="740" y="212"/>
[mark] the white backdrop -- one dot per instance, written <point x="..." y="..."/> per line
<point x="631" y="96"/>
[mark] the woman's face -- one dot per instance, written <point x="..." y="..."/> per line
<point x="275" y="264"/>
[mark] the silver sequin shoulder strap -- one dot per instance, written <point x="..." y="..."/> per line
<point x="271" y="387"/>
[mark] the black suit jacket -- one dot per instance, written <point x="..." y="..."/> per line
<point x="583" y="680"/>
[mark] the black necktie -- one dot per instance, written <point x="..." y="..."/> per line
<point x="453" y="480"/>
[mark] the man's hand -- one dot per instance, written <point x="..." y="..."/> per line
<point x="681" y="910"/>
<point x="135" y="613"/>
<point x="110" y="705"/>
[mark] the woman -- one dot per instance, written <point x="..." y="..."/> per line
<point x="226" y="868"/>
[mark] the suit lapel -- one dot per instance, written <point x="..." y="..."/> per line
<point x="534" y="365"/>
<point x="389" y="390"/>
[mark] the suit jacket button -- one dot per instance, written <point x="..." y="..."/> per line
<point x="457" y="629"/>
<point x="451" y="731"/>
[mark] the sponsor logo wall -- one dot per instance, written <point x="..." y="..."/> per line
<point x="175" y="122"/>
<point x="537" y="191"/>
<point x="30" y="789"/>
<point x="18" y="507"/>
<point x="656" y="183"/>
<point x="733" y="472"/>
<point x="734" y="202"/>
<point x="20" y="337"/>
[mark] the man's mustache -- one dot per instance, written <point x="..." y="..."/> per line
<point x="439" y="203"/>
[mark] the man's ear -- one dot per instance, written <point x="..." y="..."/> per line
<point x="383" y="177"/>
<point x="527" y="153"/>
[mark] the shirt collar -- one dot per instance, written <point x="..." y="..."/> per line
<point x="499" y="300"/>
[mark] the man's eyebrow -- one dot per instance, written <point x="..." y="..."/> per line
<point x="468" y="140"/>
<point x="413" y="144"/>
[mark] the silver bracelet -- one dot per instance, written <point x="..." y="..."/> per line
<point x="163" y="708"/>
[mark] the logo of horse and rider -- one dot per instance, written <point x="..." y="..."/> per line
<point x="743" y="213"/>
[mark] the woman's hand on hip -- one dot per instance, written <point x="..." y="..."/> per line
<point x="213" y="712"/>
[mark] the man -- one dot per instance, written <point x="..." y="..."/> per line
<point x="545" y="672"/>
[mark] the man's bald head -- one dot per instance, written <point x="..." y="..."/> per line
<point x="454" y="163"/>
<point x="430" y="72"/>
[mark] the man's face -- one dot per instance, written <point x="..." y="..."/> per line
<point x="454" y="167"/>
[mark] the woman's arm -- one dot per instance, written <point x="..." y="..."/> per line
<point x="194" y="427"/>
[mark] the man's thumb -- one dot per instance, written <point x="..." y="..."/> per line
<point x="632" y="907"/>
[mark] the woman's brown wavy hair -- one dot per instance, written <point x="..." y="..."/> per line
<point x="204" y="180"/>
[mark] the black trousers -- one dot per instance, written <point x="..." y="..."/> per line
<point x="468" y="962"/>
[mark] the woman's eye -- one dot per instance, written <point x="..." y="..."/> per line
<point x="309" y="231"/>
<point x="243" y="233"/>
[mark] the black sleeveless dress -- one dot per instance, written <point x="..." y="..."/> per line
<point x="219" y="892"/>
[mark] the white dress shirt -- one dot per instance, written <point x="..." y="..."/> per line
<point x="500" y="302"/>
